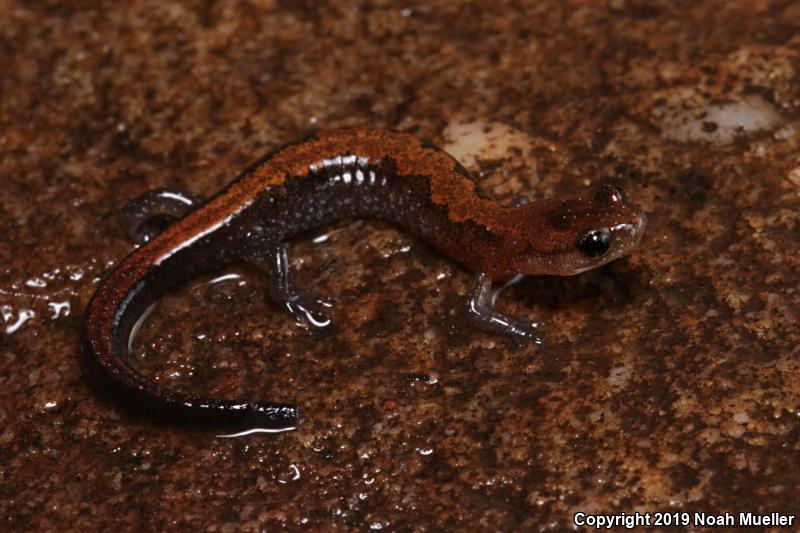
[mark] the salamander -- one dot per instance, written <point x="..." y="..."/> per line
<point x="334" y="174"/>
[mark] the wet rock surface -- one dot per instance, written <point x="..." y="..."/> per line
<point x="670" y="380"/>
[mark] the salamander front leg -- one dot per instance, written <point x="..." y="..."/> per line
<point x="143" y="217"/>
<point x="305" y="306"/>
<point x="480" y="311"/>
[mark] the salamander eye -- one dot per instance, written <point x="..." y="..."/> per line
<point x="595" y="243"/>
<point x="608" y="194"/>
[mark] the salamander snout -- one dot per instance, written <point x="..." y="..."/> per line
<point x="577" y="234"/>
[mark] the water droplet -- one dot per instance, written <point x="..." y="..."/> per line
<point x="224" y="277"/>
<point x="36" y="283"/>
<point x="254" y="431"/>
<point x="13" y="323"/>
<point x="59" y="309"/>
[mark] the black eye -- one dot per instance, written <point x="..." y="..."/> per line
<point x="595" y="242"/>
<point x="608" y="194"/>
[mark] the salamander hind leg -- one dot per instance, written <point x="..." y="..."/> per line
<point x="143" y="217"/>
<point x="481" y="312"/>
<point x="273" y="259"/>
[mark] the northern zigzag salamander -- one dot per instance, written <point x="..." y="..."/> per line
<point x="335" y="174"/>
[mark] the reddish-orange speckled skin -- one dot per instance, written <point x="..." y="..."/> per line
<point x="419" y="187"/>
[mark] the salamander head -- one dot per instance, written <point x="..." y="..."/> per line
<point x="566" y="237"/>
